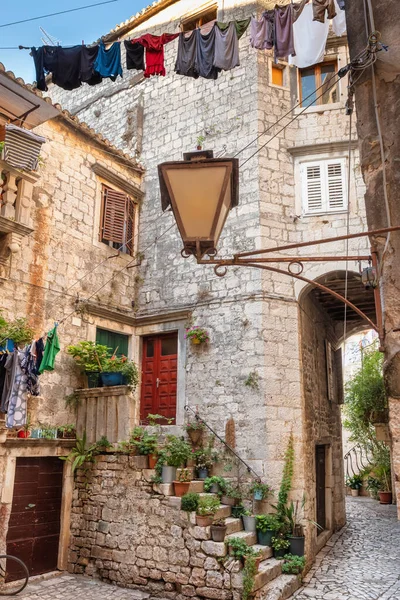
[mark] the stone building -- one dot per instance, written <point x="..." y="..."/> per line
<point x="273" y="364"/>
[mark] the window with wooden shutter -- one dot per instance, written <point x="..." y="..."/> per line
<point x="324" y="186"/>
<point x="117" y="220"/>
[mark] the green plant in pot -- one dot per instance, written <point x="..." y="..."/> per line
<point x="208" y="506"/>
<point x="215" y="485"/>
<point x="146" y="445"/>
<point x="266" y="526"/>
<point x="232" y="495"/>
<point x="190" y="502"/>
<point x="260" y="490"/>
<point x="237" y="510"/>
<point x="90" y="358"/>
<point x="250" y="560"/>
<point x="383" y="474"/>
<point x="119" y="370"/>
<point x="174" y="455"/>
<point x="182" y="483"/>
<point x="218" y="530"/>
<point x="280" y="546"/>
<point x="204" y="460"/>
<point x="195" y="429"/>
<point x="373" y="486"/>
<point x="249" y="521"/>
<point x="66" y="432"/>
<point x="355" y="484"/>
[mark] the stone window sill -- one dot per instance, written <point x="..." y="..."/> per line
<point x="319" y="109"/>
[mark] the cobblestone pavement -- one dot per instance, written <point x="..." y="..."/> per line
<point x="360" y="562"/>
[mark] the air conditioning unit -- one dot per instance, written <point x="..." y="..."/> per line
<point x="21" y="147"/>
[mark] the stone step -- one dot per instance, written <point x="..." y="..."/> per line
<point x="233" y="525"/>
<point x="196" y="486"/>
<point x="266" y="551"/>
<point x="206" y="494"/>
<point x="280" y="588"/>
<point x="267" y="571"/>
<point x="248" y="536"/>
<point x="223" y="512"/>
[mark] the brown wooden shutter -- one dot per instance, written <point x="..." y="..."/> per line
<point x="329" y="371"/>
<point x="130" y="231"/>
<point x="115" y="215"/>
<point x="339" y="395"/>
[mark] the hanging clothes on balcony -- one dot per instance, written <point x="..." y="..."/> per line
<point x="3" y="358"/>
<point x="88" y="58"/>
<point x="14" y="397"/>
<point x="69" y="67"/>
<point x="309" y="39"/>
<point x="108" y="61"/>
<point x="134" y="55"/>
<point x="262" y="32"/>
<point x="186" y="57"/>
<point x="154" y="45"/>
<point x="29" y="367"/>
<point x="51" y="350"/>
<point x="205" y="53"/>
<point x="284" y="44"/>
<point x="339" y="22"/>
<point x="321" y="7"/>
<point x="227" y="37"/>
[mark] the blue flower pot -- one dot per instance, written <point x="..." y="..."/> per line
<point x="202" y="473"/>
<point x="258" y="495"/>
<point x="111" y="379"/>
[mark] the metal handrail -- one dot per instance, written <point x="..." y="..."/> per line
<point x="360" y="455"/>
<point x="248" y="467"/>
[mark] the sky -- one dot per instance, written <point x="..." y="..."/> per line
<point x="70" y="29"/>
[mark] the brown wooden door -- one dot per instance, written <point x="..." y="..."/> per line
<point x="320" y="480"/>
<point x="34" y="526"/>
<point x="159" y="376"/>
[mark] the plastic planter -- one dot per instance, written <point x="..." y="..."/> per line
<point x="296" y="545"/>
<point x="93" y="379"/>
<point x="214" y="488"/>
<point x="264" y="538"/>
<point x="218" y="533"/>
<point x="111" y="379"/>
<point x="168" y="474"/>
<point x="280" y="553"/>
<point x="385" y="497"/>
<point x="249" y="523"/>
<point x="258" y="495"/>
<point x="202" y="473"/>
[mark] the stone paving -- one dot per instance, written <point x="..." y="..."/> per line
<point x="360" y="562"/>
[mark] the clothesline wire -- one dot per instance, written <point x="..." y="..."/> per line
<point x="62" y="12"/>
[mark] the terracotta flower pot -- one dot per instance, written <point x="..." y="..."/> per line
<point x="257" y="561"/>
<point x="181" y="487"/>
<point x="203" y="520"/>
<point x="354" y="493"/>
<point x="153" y="458"/>
<point x="385" y="497"/>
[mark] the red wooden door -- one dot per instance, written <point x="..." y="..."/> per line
<point x="34" y="526"/>
<point x="159" y="376"/>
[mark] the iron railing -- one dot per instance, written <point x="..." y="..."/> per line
<point x="356" y="460"/>
<point x="248" y="467"/>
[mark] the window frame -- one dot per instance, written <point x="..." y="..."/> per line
<point x="318" y="82"/>
<point x="323" y="164"/>
<point x="283" y="67"/>
<point x="128" y="246"/>
<point x="116" y="333"/>
<point x="195" y="19"/>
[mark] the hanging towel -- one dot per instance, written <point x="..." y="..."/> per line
<point x="339" y="22"/>
<point x="261" y="33"/>
<point x="186" y="57"/>
<point x="51" y="350"/>
<point x="134" y="55"/>
<point x="226" y="55"/>
<point x="205" y="52"/>
<point x="309" y="39"/>
<point x="284" y="45"/>
<point x="108" y="61"/>
<point x="320" y="7"/>
<point x="154" y="45"/>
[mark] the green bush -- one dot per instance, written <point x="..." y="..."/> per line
<point x="176" y="451"/>
<point x="266" y="523"/>
<point x="208" y="505"/>
<point x="190" y="502"/>
<point x="293" y="565"/>
<point x="147" y="444"/>
<point x="220" y="481"/>
<point x="355" y="482"/>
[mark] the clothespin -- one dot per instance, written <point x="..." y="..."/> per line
<point x="55" y="323"/>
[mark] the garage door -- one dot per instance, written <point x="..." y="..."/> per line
<point x="34" y="526"/>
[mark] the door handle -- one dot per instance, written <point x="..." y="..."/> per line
<point x="157" y="382"/>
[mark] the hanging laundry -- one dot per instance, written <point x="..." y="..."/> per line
<point x="88" y="58"/>
<point x="154" y="45"/>
<point x="51" y="350"/>
<point x="284" y="45"/>
<point x="69" y="67"/>
<point x="298" y="9"/>
<point x="3" y="358"/>
<point x="186" y="58"/>
<point x="134" y="55"/>
<point x="309" y="39"/>
<point x="18" y="394"/>
<point x="39" y="350"/>
<point x="10" y="367"/>
<point x="45" y="60"/>
<point x="320" y="7"/>
<point x="262" y="33"/>
<point x="226" y="55"/>
<point x="342" y="4"/>
<point x="108" y="61"/>
<point x="339" y="22"/>
<point x="205" y="52"/>
<point x="29" y="366"/>
<point x="240" y="26"/>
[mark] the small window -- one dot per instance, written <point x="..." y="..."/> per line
<point x="195" y="20"/>
<point x="277" y="75"/>
<point x="311" y="80"/>
<point x="118" y="342"/>
<point x="324" y="186"/>
<point x="117" y="220"/>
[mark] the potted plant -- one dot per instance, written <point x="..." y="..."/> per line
<point x="174" y="455"/>
<point x="208" y="506"/>
<point x="280" y="546"/>
<point x="182" y="484"/>
<point x="238" y="548"/>
<point x="260" y="490"/>
<point x="195" y="430"/>
<point x="119" y="370"/>
<point x="218" y="530"/>
<point x="249" y="521"/>
<point x="237" y="510"/>
<point x="190" y="502"/>
<point x="197" y="335"/>
<point x="89" y="357"/>
<point x="25" y="431"/>
<point x="355" y="484"/>
<point x="204" y="460"/>
<point x="232" y="496"/>
<point x="146" y="445"/>
<point x="293" y="565"/>
<point x="66" y="432"/>
<point x="373" y="485"/>
<point x="266" y="526"/>
<point x="295" y="536"/>
<point x="385" y="491"/>
<point x="215" y="485"/>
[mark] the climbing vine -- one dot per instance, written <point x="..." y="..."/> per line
<point x="287" y="476"/>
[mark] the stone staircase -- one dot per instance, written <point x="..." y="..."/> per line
<point x="270" y="583"/>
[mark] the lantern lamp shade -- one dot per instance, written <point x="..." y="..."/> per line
<point x="201" y="192"/>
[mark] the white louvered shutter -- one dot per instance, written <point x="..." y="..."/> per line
<point x="312" y="188"/>
<point x="335" y="184"/>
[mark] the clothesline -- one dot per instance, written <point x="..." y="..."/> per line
<point x="297" y="30"/>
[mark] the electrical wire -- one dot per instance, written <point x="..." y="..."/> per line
<point x="347" y="230"/>
<point x="62" y="12"/>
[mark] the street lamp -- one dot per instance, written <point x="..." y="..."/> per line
<point x="201" y="191"/>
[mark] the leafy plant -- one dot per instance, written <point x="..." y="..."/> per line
<point x="262" y="488"/>
<point x="266" y="523"/>
<point x="175" y="452"/>
<point x="249" y="575"/>
<point x="293" y="565"/>
<point x="280" y="543"/>
<point x="147" y="444"/>
<point x="287" y="476"/>
<point x="153" y="420"/>
<point x="215" y="480"/>
<point x="17" y="330"/>
<point x="48" y="432"/>
<point x="102" y="444"/>
<point x="355" y="482"/>
<point x="206" y="457"/>
<point x="238" y="548"/>
<point x="194" y="425"/>
<point x="383" y="474"/>
<point x="184" y="476"/>
<point x="373" y="486"/>
<point x="89" y="356"/>
<point x="219" y="522"/>
<point x="81" y="453"/>
<point x="208" y="505"/>
<point x="233" y="491"/>
<point x="197" y="333"/>
<point x="72" y="401"/>
<point x="252" y="380"/>
<point x="190" y="502"/>
<point x="69" y="429"/>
